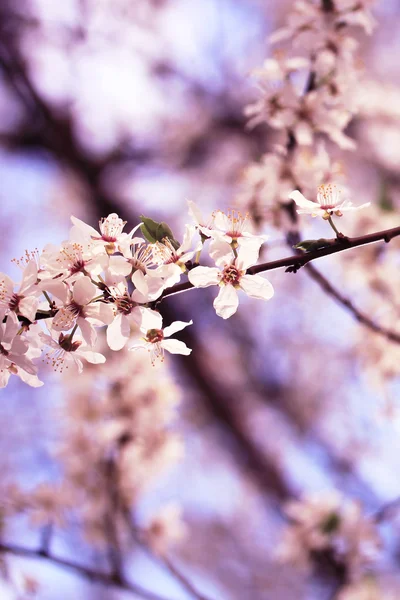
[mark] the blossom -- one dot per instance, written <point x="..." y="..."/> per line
<point x="13" y="350"/>
<point x="79" y="307"/>
<point x="75" y="258"/>
<point x="205" y="227"/>
<point x="232" y="227"/>
<point x="110" y="236"/>
<point x="328" y="202"/>
<point x="231" y="278"/>
<point x="166" y="528"/>
<point x="172" y="261"/>
<point x="63" y="351"/>
<point x="327" y="520"/>
<point x="127" y="311"/>
<point x="154" y="339"/>
<point x="25" y="301"/>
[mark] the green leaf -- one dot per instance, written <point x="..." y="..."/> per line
<point x="157" y="232"/>
<point x="385" y="200"/>
<point x="309" y="245"/>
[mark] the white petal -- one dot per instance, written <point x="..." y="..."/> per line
<point x="190" y="230"/>
<point x="84" y="290"/>
<point x="118" y="332"/>
<point x="118" y="265"/>
<point x="151" y="319"/>
<point x="221" y="251"/>
<point x="28" y="307"/>
<point x="99" y="313"/>
<point x="95" y="358"/>
<point x="12" y="326"/>
<point x="256" y="286"/>
<point x="140" y="282"/>
<point x="30" y="276"/>
<point x="247" y="253"/>
<point x="204" y="276"/>
<point x="302" y="201"/>
<point x="222" y="221"/>
<point x="226" y="302"/>
<point x="175" y="347"/>
<point x="87" y="229"/>
<point x="88" y="331"/>
<point x="176" y="326"/>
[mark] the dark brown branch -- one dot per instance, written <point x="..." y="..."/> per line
<point x="295" y="262"/>
<point x="86" y="572"/>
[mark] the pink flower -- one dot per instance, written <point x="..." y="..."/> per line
<point x="80" y="310"/>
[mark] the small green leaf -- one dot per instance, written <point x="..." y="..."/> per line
<point x="385" y="200"/>
<point x="309" y="245"/>
<point x="157" y="232"/>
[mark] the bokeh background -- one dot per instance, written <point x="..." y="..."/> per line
<point x="135" y="107"/>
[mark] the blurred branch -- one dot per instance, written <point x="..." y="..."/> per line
<point x="85" y="572"/>
<point x="140" y="539"/>
<point x="361" y="317"/>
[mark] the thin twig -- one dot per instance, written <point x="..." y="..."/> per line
<point x="349" y="305"/>
<point x="140" y="539"/>
<point x="86" y="572"/>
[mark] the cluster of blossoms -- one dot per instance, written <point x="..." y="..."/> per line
<point x="330" y="523"/>
<point x="305" y="97"/>
<point x="114" y="279"/>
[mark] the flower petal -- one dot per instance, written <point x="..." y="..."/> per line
<point x="226" y="302"/>
<point x="176" y="326"/>
<point x="204" y="276"/>
<point x="256" y="286"/>
<point x="118" y="332"/>
<point x="84" y="290"/>
<point x="176" y="347"/>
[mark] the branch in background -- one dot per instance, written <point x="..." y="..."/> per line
<point x="348" y="304"/>
<point x="85" y="572"/>
<point x="138" y="537"/>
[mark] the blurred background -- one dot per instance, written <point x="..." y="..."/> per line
<point x="135" y="107"/>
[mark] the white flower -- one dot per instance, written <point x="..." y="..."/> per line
<point x="127" y="311"/>
<point x="110" y="235"/>
<point x="13" y="350"/>
<point x="205" y="227"/>
<point x="64" y="351"/>
<point x="154" y="339"/>
<point x="231" y="278"/>
<point x="233" y="228"/>
<point x="172" y="261"/>
<point x="329" y="202"/>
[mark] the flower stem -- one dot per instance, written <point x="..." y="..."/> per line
<point x="45" y="294"/>
<point x="332" y="224"/>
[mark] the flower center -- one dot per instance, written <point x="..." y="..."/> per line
<point x="231" y="275"/>
<point x="154" y="335"/>
<point x="75" y="309"/>
<point x="125" y="304"/>
<point x="14" y="302"/>
<point x="78" y="266"/>
<point x="67" y="344"/>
